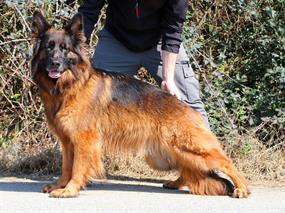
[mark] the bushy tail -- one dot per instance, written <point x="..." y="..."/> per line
<point x="203" y="184"/>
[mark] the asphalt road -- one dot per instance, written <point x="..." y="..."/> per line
<point x="23" y="195"/>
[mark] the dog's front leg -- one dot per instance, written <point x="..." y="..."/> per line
<point x="86" y="163"/>
<point x="66" y="169"/>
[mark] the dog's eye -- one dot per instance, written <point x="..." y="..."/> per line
<point x="63" y="46"/>
<point x="51" y="45"/>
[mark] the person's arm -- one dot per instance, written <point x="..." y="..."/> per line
<point x="168" y="67"/>
<point x="90" y="10"/>
<point x="171" y="25"/>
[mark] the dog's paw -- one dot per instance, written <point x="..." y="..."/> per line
<point x="241" y="193"/>
<point x="64" y="193"/>
<point x="47" y="188"/>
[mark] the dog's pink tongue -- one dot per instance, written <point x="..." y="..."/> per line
<point x="54" y="74"/>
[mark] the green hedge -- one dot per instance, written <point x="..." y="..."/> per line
<point x="239" y="49"/>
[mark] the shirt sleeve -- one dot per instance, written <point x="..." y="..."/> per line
<point x="90" y="9"/>
<point x="174" y="15"/>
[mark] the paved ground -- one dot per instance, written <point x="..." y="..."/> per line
<point x="23" y="195"/>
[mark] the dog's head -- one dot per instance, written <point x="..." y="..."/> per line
<point x="56" y="53"/>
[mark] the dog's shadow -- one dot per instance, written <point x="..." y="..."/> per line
<point x="130" y="185"/>
<point x="133" y="185"/>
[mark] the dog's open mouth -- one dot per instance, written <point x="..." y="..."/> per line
<point x="54" y="74"/>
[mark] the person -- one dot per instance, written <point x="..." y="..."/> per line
<point x="145" y="33"/>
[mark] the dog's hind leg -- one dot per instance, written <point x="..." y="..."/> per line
<point x="215" y="184"/>
<point x="226" y="166"/>
<point x="86" y="164"/>
<point x="66" y="169"/>
<point x="217" y="162"/>
<point x="201" y="159"/>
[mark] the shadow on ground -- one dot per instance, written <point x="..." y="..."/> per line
<point x="109" y="185"/>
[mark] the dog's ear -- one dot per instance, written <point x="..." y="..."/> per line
<point x="75" y="28"/>
<point x="39" y="25"/>
<point x="38" y="30"/>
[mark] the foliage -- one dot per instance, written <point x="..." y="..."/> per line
<point x="239" y="48"/>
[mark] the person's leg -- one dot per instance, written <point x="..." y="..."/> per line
<point x="111" y="55"/>
<point x="184" y="77"/>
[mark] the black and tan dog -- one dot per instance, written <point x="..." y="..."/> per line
<point x="92" y="112"/>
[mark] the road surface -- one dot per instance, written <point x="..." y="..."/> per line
<point x="23" y="195"/>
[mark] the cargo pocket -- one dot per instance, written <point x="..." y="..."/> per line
<point x="191" y="84"/>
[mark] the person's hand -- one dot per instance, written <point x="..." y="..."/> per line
<point x="171" y="88"/>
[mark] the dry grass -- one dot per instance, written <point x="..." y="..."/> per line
<point x="258" y="163"/>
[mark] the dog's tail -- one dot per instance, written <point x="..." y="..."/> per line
<point x="208" y="184"/>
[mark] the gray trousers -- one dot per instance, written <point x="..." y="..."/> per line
<point x="111" y="55"/>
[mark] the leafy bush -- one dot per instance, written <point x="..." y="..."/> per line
<point x="239" y="47"/>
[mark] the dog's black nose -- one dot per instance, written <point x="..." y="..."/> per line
<point x="55" y="63"/>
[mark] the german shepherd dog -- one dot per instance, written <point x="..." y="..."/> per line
<point x="92" y="113"/>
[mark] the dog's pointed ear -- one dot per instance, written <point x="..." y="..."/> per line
<point x="39" y="25"/>
<point x="75" y="28"/>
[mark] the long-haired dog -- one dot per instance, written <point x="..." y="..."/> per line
<point x="92" y="112"/>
